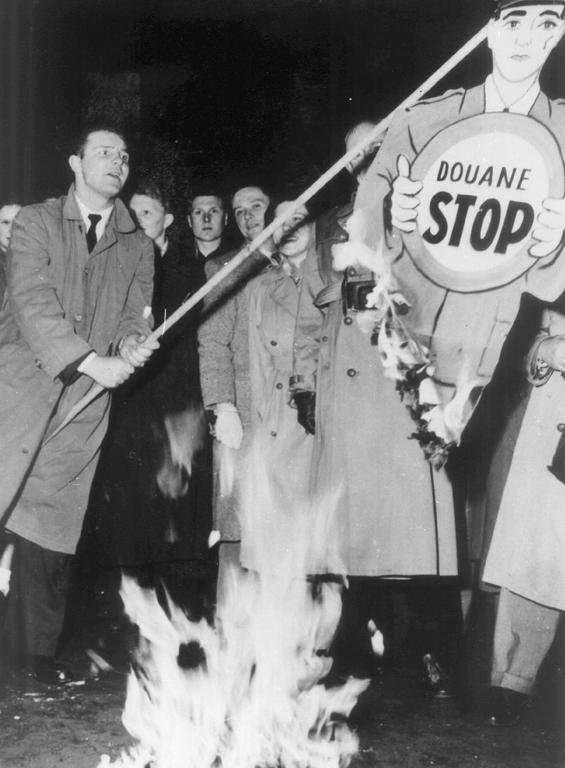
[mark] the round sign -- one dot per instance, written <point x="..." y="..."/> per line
<point x="484" y="180"/>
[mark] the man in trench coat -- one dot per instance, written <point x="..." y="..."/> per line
<point x="525" y="558"/>
<point x="77" y="313"/>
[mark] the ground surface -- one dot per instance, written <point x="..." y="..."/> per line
<point x="398" y="727"/>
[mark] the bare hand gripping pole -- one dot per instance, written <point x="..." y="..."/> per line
<point x="255" y="245"/>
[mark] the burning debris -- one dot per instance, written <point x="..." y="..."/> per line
<point x="243" y="695"/>
<point x="248" y="691"/>
<point x="5" y="566"/>
<point x="185" y="432"/>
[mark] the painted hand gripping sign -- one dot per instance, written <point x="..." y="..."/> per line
<point x="484" y="180"/>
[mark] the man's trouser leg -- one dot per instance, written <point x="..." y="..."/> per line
<point x="228" y="560"/>
<point x="523" y="635"/>
<point x="37" y="598"/>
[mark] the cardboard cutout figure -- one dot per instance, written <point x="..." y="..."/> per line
<point x="476" y="203"/>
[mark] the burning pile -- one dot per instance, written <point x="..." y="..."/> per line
<point x="244" y="693"/>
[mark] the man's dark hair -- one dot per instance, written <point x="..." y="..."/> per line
<point x="81" y="138"/>
<point x="206" y="188"/>
<point x="255" y="184"/>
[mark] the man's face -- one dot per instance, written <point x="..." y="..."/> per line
<point x="104" y="166"/>
<point x="151" y="215"/>
<point x="7" y="215"/>
<point x="294" y="237"/>
<point x="522" y="38"/>
<point x="207" y="218"/>
<point x="249" y="207"/>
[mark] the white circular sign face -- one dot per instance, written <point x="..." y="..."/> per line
<point x="484" y="180"/>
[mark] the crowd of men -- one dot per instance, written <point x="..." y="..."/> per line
<point x="276" y="354"/>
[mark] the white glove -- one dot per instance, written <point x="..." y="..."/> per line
<point x="228" y="429"/>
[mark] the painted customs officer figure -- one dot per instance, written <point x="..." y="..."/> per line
<point x="461" y="263"/>
<point x="444" y="293"/>
<point x="80" y="279"/>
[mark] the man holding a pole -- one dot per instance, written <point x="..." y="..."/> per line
<point x="78" y="313"/>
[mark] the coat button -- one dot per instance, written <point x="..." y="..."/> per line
<point x="39" y="364"/>
<point x="273" y="343"/>
<point x="348" y="320"/>
<point x="351" y="372"/>
<point x="25" y="450"/>
<point x="273" y="434"/>
<point x="324" y="338"/>
<point x="78" y="317"/>
<point x="86" y="271"/>
<point x="279" y="385"/>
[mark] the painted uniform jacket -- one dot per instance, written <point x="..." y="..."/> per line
<point x="461" y="329"/>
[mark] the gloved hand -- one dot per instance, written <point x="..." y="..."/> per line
<point x="306" y="406"/>
<point x="228" y="429"/>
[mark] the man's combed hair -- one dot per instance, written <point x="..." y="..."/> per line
<point x="81" y="138"/>
<point x="206" y="188"/>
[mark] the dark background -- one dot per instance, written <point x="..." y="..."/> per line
<point x="236" y="87"/>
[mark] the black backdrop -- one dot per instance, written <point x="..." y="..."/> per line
<point x="234" y="85"/>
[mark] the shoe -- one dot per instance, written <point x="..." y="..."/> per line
<point x="435" y="678"/>
<point x="506" y="707"/>
<point x="50" y="672"/>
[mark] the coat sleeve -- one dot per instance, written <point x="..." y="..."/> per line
<point x="215" y="340"/>
<point x="136" y="317"/>
<point x="33" y="297"/>
<point x="309" y="321"/>
<point x="553" y="324"/>
<point x="373" y="196"/>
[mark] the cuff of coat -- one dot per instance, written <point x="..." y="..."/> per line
<point x="71" y="373"/>
<point x="137" y="328"/>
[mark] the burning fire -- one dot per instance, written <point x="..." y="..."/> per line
<point x="185" y="436"/>
<point x="246" y="692"/>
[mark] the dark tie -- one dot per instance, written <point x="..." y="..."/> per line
<point x="91" y="233"/>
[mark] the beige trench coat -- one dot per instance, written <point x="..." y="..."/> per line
<point x="223" y="347"/>
<point x="394" y="512"/>
<point x="62" y="303"/>
<point x="527" y="553"/>
<point x="285" y="447"/>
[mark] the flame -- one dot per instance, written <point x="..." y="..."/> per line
<point x="245" y="692"/>
<point x="5" y="566"/>
<point x="185" y="436"/>
<point x="448" y="421"/>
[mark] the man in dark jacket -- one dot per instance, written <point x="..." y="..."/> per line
<point x="78" y="312"/>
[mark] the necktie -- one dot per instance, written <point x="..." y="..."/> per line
<point x="91" y="232"/>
